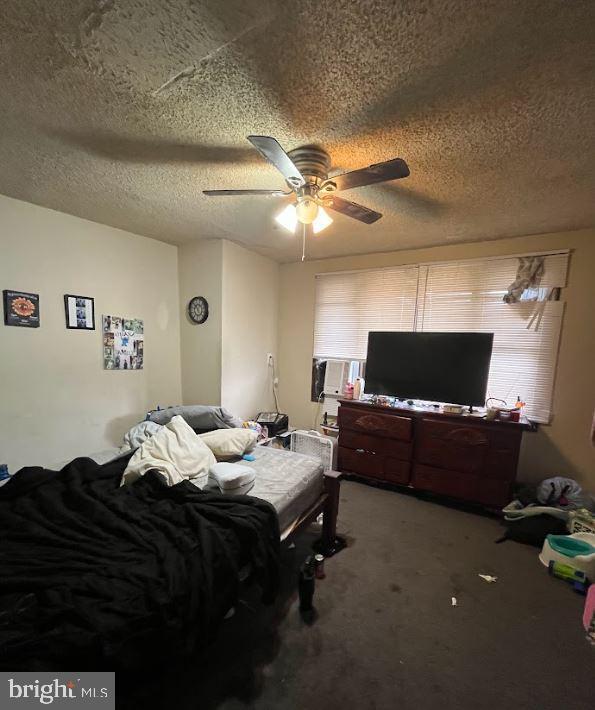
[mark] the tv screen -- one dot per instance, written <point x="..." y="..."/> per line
<point x="441" y="367"/>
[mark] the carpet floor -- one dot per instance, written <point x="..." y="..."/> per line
<point x="386" y="634"/>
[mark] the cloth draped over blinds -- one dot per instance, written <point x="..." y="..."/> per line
<point x="458" y="296"/>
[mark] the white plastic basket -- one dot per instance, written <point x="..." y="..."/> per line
<point x="581" y="521"/>
<point x="313" y="444"/>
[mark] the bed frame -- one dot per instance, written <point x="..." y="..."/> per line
<point x="327" y="504"/>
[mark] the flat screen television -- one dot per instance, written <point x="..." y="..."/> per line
<point x="440" y="367"/>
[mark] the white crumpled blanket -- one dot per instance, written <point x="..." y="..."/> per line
<point x="176" y="451"/>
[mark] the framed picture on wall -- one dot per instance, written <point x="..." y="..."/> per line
<point x="80" y="312"/>
<point x="123" y="343"/>
<point x="21" y="308"/>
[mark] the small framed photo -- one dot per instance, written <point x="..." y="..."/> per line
<point x="21" y="309"/>
<point x="80" y="312"/>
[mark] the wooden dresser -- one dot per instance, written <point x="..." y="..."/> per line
<point x="461" y="456"/>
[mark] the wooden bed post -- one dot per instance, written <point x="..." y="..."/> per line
<point x="330" y="543"/>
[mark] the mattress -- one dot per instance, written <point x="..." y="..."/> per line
<point x="290" y="482"/>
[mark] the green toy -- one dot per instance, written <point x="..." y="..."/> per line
<point x="575" y="577"/>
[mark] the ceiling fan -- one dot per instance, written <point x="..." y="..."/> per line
<point x="305" y="170"/>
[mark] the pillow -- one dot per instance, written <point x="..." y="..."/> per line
<point x="176" y="452"/>
<point x="227" y="443"/>
<point x="199" y="416"/>
<point x="232" y="478"/>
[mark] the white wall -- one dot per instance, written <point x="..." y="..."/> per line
<point x="200" y="273"/>
<point x="249" y="330"/>
<point x="56" y="400"/>
<point x="224" y="360"/>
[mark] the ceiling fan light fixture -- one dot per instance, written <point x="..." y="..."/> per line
<point x="306" y="210"/>
<point x="322" y="221"/>
<point x="287" y="218"/>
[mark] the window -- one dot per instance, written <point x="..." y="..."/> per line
<point x="351" y="304"/>
<point x="451" y="296"/>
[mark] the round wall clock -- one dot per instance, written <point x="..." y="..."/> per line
<point x="198" y="309"/>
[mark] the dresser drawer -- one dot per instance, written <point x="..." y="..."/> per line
<point x="457" y="446"/>
<point x="397" y="471"/>
<point x="440" y="480"/>
<point x="378" y="444"/>
<point x="362" y="462"/>
<point x="363" y="422"/>
<point x="455" y="484"/>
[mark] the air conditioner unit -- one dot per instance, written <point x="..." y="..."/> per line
<point x="335" y="377"/>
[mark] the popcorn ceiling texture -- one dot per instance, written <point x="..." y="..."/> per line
<point x="123" y="111"/>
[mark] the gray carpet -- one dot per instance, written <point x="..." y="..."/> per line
<point x="387" y="635"/>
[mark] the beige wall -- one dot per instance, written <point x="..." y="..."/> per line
<point x="56" y="400"/>
<point x="224" y="361"/>
<point x="200" y="273"/>
<point x="249" y="331"/>
<point x="564" y="446"/>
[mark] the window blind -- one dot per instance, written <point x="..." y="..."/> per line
<point x="452" y="296"/>
<point x="350" y="305"/>
<point x="467" y="296"/>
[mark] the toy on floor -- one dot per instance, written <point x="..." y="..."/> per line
<point x="589" y="614"/>
<point x="578" y="579"/>
<point x="577" y="551"/>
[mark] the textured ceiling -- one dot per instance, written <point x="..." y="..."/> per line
<point x="123" y="111"/>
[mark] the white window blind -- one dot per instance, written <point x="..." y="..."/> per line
<point x="467" y="296"/>
<point x="350" y="305"/>
<point x="453" y="296"/>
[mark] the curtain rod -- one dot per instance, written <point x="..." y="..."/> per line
<point x="417" y="264"/>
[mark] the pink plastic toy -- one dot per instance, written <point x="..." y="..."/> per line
<point x="589" y="615"/>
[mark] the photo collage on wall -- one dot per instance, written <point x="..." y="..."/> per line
<point x="123" y="343"/>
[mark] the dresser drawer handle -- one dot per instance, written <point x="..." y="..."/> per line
<point x="363" y="451"/>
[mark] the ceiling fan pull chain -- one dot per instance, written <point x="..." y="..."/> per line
<point x="303" y="242"/>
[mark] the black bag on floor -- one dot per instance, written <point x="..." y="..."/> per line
<point x="533" y="529"/>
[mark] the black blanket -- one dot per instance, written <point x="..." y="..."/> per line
<point x="97" y="576"/>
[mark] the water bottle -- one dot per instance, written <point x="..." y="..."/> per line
<point x="306" y="584"/>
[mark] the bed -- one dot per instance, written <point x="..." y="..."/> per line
<point x="290" y="482"/>
<point x="96" y="576"/>
<point x="295" y="485"/>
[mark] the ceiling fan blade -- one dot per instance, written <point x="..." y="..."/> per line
<point x="379" y="172"/>
<point x="228" y="193"/>
<point x="351" y="209"/>
<point x="270" y="149"/>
